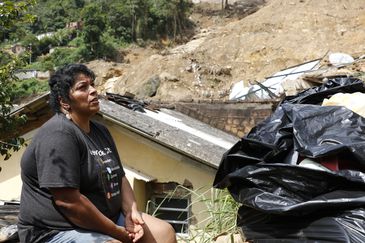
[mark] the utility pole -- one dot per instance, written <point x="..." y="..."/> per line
<point x="30" y="53"/>
<point x="224" y="4"/>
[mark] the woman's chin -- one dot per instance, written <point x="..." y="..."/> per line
<point x="95" y="109"/>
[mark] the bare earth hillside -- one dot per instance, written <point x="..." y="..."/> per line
<point x="278" y="34"/>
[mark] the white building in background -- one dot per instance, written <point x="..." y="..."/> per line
<point x="48" y="34"/>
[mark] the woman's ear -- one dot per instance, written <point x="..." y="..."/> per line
<point x="65" y="108"/>
<point x="64" y="105"/>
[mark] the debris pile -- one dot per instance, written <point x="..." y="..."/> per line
<point x="295" y="79"/>
<point x="300" y="174"/>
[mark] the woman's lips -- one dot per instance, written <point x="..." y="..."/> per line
<point x="95" y="101"/>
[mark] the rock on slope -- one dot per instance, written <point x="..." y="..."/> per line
<point x="282" y="33"/>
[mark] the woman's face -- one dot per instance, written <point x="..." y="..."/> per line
<point x="83" y="96"/>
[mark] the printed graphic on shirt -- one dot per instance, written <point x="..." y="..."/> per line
<point x="104" y="152"/>
<point x="108" y="172"/>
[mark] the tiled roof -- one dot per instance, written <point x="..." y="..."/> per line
<point x="175" y="130"/>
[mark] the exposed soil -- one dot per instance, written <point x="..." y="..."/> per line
<point x="250" y="41"/>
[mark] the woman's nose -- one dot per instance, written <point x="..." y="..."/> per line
<point x="92" y="89"/>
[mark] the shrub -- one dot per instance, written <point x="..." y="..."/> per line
<point x="28" y="87"/>
<point x="220" y="214"/>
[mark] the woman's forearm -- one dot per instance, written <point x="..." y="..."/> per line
<point x="128" y="198"/>
<point x="83" y="213"/>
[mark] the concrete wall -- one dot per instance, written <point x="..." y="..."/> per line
<point x="235" y="118"/>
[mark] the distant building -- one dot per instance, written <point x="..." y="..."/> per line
<point x="74" y="25"/>
<point x="18" y="49"/>
<point x="48" y="34"/>
<point x="27" y="74"/>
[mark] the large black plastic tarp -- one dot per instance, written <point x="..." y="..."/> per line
<point x="283" y="201"/>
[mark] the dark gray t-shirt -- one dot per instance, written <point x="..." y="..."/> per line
<point x="62" y="155"/>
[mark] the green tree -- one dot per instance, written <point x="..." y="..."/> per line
<point x="169" y="17"/>
<point x="148" y="19"/>
<point x="119" y="19"/>
<point x="93" y="28"/>
<point x="55" y="14"/>
<point x="11" y="13"/>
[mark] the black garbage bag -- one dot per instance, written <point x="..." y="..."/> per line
<point x="345" y="226"/>
<point x="333" y="85"/>
<point x="294" y="190"/>
<point x="261" y="170"/>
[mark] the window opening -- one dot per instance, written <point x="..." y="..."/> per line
<point x="175" y="211"/>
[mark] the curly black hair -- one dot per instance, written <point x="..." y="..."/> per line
<point x="61" y="82"/>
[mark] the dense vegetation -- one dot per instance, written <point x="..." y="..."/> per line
<point x="105" y="26"/>
<point x="11" y="14"/>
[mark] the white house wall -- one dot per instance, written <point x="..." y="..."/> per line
<point x="10" y="181"/>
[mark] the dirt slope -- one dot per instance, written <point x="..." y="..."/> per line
<point x="282" y="33"/>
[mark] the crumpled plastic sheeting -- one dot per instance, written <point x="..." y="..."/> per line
<point x="292" y="190"/>
<point x="334" y="85"/>
<point x="312" y="131"/>
<point x="320" y="131"/>
<point x="346" y="226"/>
<point x="260" y="171"/>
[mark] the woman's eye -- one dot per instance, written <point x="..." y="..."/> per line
<point x="82" y="87"/>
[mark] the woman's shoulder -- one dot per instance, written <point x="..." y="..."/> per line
<point x="58" y="124"/>
<point x="57" y="121"/>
